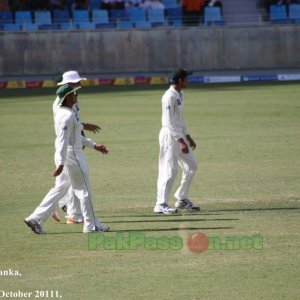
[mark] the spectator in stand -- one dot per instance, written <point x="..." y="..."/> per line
<point x="192" y="11"/>
<point x="80" y="4"/>
<point x="34" y="5"/>
<point x="56" y="4"/>
<point x="4" y="5"/>
<point x="268" y="3"/>
<point x="153" y="4"/>
<point x="120" y="4"/>
<point x="112" y="4"/>
<point x="134" y="3"/>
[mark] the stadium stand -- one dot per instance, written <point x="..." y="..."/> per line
<point x="49" y="27"/>
<point x="105" y="25"/>
<point x="294" y="13"/>
<point x="86" y="26"/>
<point x="61" y="16"/>
<point x="124" y="24"/>
<point x="229" y="13"/>
<point x="156" y="17"/>
<point x="6" y="17"/>
<point x="137" y="14"/>
<point x="30" y="27"/>
<point x="278" y="14"/>
<point x="42" y="17"/>
<point x="11" y="27"/>
<point x="142" y="24"/>
<point x="100" y="16"/>
<point x="66" y="26"/>
<point x="212" y="16"/>
<point x="170" y="3"/>
<point x="81" y="16"/>
<point x="117" y="15"/>
<point x="174" y="16"/>
<point x="22" y="17"/>
<point x="94" y="4"/>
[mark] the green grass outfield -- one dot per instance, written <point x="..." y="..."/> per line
<point x="248" y="183"/>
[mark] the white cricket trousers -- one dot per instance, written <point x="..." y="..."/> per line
<point x="170" y="156"/>
<point x="75" y="174"/>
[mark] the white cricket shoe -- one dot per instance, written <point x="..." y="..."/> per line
<point x="100" y="228"/>
<point x="187" y="204"/>
<point x="34" y="225"/>
<point x="164" y="209"/>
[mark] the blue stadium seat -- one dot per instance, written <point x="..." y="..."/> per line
<point x="105" y="25"/>
<point x="278" y="14"/>
<point x="11" y="27"/>
<point x="61" y="16"/>
<point x="100" y="16"/>
<point x="24" y="16"/>
<point x="66" y="26"/>
<point x="118" y="14"/>
<point x="294" y="12"/>
<point x="123" y="24"/>
<point x="94" y="4"/>
<point x="212" y="16"/>
<point x="6" y="17"/>
<point x="81" y="16"/>
<point x="86" y="25"/>
<point x="156" y="17"/>
<point x="142" y="24"/>
<point x="170" y="3"/>
<point x="49" y="27"/>
<point x="30" y="27"/>
<point x="137" y="14"/>
<point x="42" y="17"/>
<point x="174" y="16"/>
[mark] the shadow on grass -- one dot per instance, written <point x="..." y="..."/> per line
<point x="154" y="215"/>
<point x="174" y="229"/>
<point x="172" y="220"/>
<point x="153" y="229"/>
<point x="256" y="209"/>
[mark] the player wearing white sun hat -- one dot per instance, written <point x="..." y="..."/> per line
<point x="70" y="202"/>
<point x="71" y="166"/>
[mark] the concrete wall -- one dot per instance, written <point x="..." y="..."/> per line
<point x="50" y="53"/>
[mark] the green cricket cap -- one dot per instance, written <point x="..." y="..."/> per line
<point x="180" y="74"/>
<point x="65" y="90"/>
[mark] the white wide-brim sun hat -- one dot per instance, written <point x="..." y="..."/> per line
<point x="71" y="77"/>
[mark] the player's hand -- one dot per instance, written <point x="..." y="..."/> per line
<point x="183" y="146"/>
<point x="58" y="170"/>
<point x="91" y="127"/>
<point x="101" y="148"/>
<point x="191" y="141"/>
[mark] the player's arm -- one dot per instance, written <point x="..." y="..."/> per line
<point x="169" y="107"/>
<point x="101" y="148"/>
<point x="91" y="144"/>
<point x="169" y="113"/>
<point x="62" y="141"/>
<point x="91" y="127"/>
<point x="191" y="142"/>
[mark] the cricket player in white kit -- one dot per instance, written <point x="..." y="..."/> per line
<point x="71" y="166"/>
<point x="70" y="201"/>
<point x="176" y="147"/>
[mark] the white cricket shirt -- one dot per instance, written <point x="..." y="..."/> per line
<point x="172" y="113"/>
